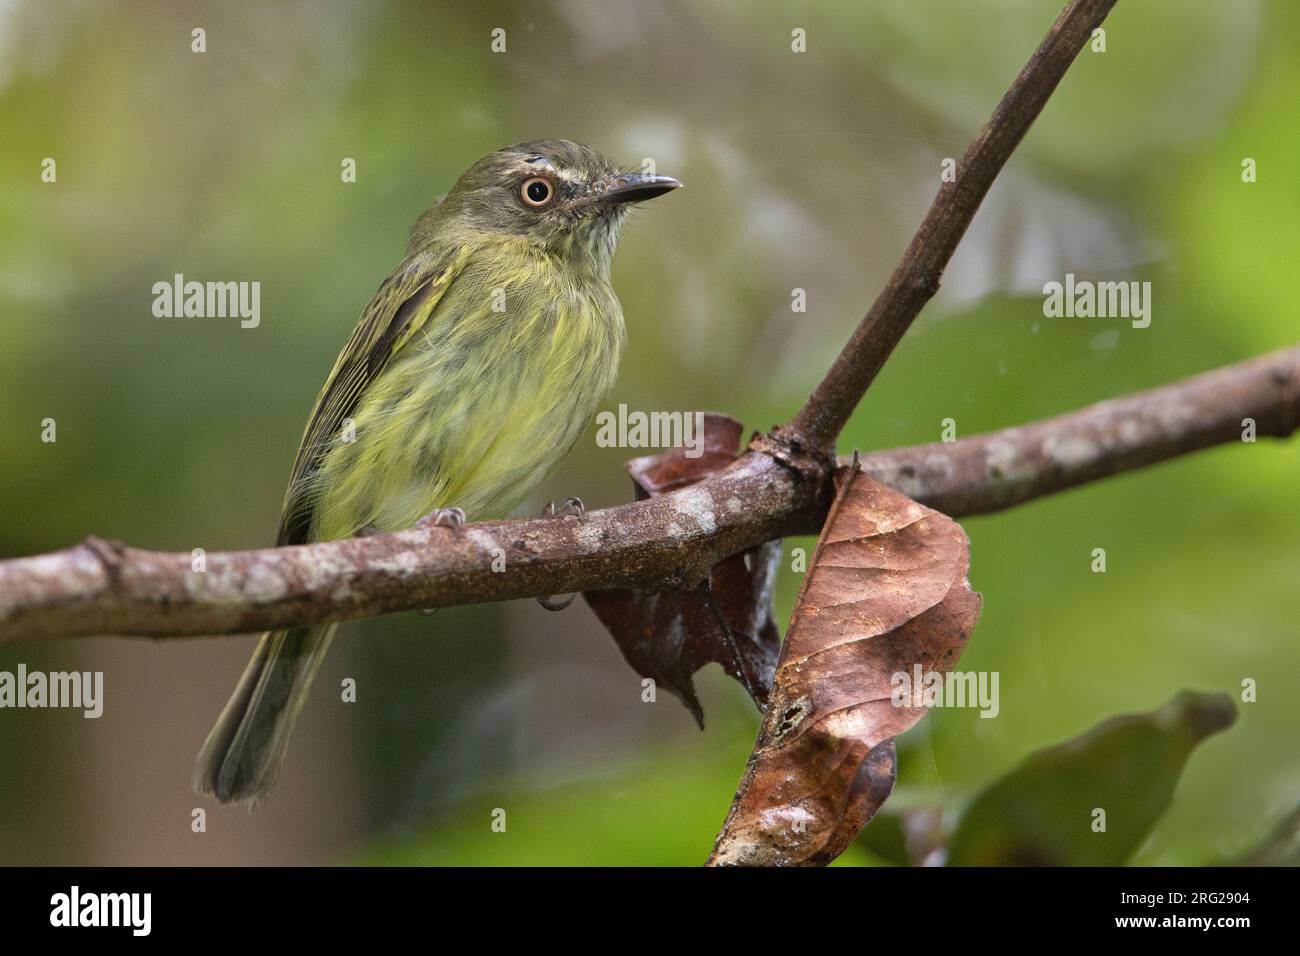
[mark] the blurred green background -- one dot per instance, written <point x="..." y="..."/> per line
<point x="803" y="170"/>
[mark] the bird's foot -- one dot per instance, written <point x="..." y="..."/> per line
<point x="452" y="518"/>
<point x="569" y="508"/>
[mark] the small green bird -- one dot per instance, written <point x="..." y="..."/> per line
<point x="470" y="375"/>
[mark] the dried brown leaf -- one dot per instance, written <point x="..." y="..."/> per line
<point x="669" y="635"/>
<point x="672" y="469"/>
<point x="886" y="593"/>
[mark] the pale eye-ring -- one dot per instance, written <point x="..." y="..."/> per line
<point x="537" y="191"/>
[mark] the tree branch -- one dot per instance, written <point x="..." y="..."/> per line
<point x="102" y="588"/>
<point x="916" y="279"/>
<point x="995" y="471"/>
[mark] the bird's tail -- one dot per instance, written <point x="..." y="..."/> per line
<point x="241" y="758"/>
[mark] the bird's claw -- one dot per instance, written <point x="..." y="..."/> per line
<point x="556" y="605"/>
<point x="569" y="507"/>
<point x="453" y="518"/>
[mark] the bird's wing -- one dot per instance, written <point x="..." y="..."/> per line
<point x="399" y="309"/>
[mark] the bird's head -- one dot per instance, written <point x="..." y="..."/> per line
<point x="562" y="195"/>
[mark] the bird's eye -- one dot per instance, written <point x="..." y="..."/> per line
<point x="536" y="191"/>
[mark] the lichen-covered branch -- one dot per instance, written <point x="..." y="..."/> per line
<point x="998" y="470"/>
<point x="103" y="588"/>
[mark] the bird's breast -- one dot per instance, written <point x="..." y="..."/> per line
<point x="477" y="408"/>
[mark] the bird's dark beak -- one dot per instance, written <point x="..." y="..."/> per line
<point x="636" y="187"/>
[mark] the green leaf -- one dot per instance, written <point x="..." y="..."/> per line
<point x="1046" y="811"/>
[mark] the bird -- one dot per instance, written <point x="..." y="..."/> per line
<point x="471" y="373"/>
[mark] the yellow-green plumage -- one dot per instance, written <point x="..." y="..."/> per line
<point x="480" y="404"/>
<point x="472" y="372"/>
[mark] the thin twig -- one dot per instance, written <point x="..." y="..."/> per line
<point x="916" y="279"/>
